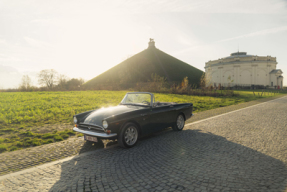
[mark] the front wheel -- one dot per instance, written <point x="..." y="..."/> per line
<point x="179" y="124"/>
<point x="128" y="136"/>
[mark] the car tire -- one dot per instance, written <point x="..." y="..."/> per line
<point x="129" y="135"/>
<point x="179" y="123"/>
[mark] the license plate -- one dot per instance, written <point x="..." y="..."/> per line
<point x="90" y="138"/>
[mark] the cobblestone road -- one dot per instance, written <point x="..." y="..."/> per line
<point x="241" y="151"/>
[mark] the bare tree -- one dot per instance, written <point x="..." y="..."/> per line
<point x="202" y="82"/>
<point x="62" y="81"/>
<point x="75" y="84"/>
<point x="48" y="78"/>
<point x="205" y="80"/>
<point x="25" y="83"/>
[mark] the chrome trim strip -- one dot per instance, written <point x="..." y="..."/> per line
<point x="94" y="125"/>
<point x="91" y="127"/>
<point x="103" y="135"/>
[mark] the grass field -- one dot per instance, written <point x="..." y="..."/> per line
<point x="35" y="118"/>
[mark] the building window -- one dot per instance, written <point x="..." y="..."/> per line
<point x="271" y="83"/>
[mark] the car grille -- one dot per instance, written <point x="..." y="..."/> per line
<point x="91" y="128"/>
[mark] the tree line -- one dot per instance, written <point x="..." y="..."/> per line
<point x="50" y="79"/>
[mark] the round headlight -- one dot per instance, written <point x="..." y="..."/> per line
<point x="105" y="124"/>
<point x="75" y="120"/>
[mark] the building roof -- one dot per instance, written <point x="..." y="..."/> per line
<point x="241" y="58"/>
<point x="238" y="54"/>
<point x="275" y="71"/>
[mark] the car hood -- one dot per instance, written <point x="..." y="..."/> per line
<point x="99" y="115"/>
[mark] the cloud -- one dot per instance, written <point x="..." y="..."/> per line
<point x="10" y="77"/>
<point x="258" y="33"/>
<point x="2" y="41"/>
<point x="254" y="34"/>
<point x="7" y="69"/>
<point x="203" y="6"/>
<point x="4" y="58"/>
<point x="37" y="43"/>
<point x="41" y="21"/>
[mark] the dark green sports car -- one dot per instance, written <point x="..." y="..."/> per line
<point x="138" y="114"/>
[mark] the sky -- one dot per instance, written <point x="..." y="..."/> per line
<point x="82" y="39"/>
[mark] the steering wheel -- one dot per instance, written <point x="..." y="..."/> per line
<point x="148" y="103"/>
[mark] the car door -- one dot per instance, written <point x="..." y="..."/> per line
<point x="167" y="115"/>
<point x="146" y="121"/>
<point x="160" y="117"/>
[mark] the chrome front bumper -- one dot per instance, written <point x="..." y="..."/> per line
<point x="102" y="135"/>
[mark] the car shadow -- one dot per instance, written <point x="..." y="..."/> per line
<point x="183" y="161"/>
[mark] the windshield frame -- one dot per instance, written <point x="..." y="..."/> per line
<point x="151" y="97"/>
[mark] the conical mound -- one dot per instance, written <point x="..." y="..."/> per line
<point x="141" y="66"/>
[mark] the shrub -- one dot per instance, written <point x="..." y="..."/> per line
<point x="69" y="132"/>
<point x="37" y="135"/>
<point x="47" y="135"/>
<point x="13" y="148"/>
<point x="8" y="130"/>
<point x="27" y="133"/>
<point x="3" y="148"/>
<point x="36" y="142"/>
<point x="3" y="120"/>
<point x="48" y="141"/>
<point x="27" y="143"/>
<point x="14" y="138"/>
<point x="58" y="138"/>
<point x="64" y="135"/>
<point x="80" y="134"/>
<point x="18" y="144"/>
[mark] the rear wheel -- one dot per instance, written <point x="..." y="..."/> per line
<point x="128" y="136"/>
<point x="179" y="124"/>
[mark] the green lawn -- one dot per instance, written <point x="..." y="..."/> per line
<point x="33" y="118"/>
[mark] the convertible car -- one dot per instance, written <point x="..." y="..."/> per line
<point x="138" y="114"/>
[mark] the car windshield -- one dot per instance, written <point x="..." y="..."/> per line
<point x="137" y="99"/>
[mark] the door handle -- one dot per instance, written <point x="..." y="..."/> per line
<point x="171" y="106"/>
<point x="143" y="114"/>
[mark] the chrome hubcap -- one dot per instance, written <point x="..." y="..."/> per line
<point x="131" y="135"/>
<point x="180" y="122"/>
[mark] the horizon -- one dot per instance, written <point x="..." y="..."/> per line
<point x="83" y="40"/>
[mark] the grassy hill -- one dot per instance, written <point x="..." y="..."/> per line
<point x="139" y="68"/>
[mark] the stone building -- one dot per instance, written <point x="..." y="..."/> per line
<point x="244" y="70"/>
